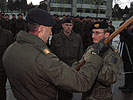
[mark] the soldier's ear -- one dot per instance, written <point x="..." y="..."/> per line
<point x="107" y="34"/>
<point x="40" y="30"/>
<point x="62" y="25"/>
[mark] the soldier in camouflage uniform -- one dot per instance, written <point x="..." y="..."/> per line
<point x="35" y="73"/>
<point x="101" y="89"/>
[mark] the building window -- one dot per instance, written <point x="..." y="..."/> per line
<point x="87" y="10"/>
<point x="68" y="10"/>
<point x="79" y="9"/>
<point x="79" y="1"/>
<point x="95" y="11"/>
<point x="103" y="3"/>
<point x="68" y="1"/>
<point x="87" y="2"/>
<point x="52" y="9"/>
<point x="53" y="1"/>
<point x="102" y="11"/>
<point x="59" y="1"/>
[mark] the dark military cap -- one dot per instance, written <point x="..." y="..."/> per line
<point x="40" y="16"/>
<point x="110" y="21"/>
<point x="100" y="25"/>
<point x="6" y="15"/>
<point x="13" y="15"/>
<point x="19" y="15"/>
<point x="67" y="20"/>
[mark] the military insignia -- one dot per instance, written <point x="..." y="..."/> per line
<point x="71" y="21"/>
<point x="97" y="25"/>
<point x="115" y="50"/>
<point x="46" y="51"/>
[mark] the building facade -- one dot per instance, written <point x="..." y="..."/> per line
<point x="2" y="5"/>
<point x="92" y="8"/>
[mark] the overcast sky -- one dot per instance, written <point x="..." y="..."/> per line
<point x="122" y="3"/>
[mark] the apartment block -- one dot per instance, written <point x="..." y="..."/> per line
<point x="92" y="8"/>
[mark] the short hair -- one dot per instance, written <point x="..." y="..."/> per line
<point x="13" y="15"/>
<point x="32" y="27"/>
<point x="19" y="15"/>
<point x="107" y="31"/>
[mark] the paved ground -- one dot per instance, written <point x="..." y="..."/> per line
<point x="9" y="92"/>
<point x="117" y="94"/>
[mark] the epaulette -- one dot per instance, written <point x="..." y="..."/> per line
<point x="45" y="50"/>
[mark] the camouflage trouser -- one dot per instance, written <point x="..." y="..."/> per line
<point x="99" y="94"/>
<point x="3" y="80"/>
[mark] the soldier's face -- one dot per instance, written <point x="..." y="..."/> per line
<point x="67" y="27"/>
<point x="7" y="17"/>
<point x="97" y="35"/>
<point x="45" y="33"/>
<point x="20" y="17"/>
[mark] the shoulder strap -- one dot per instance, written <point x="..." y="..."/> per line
<point x="44" y="49"/>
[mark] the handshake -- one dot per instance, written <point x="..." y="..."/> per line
<point x="100" y="49"/>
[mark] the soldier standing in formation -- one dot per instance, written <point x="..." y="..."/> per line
<point x="6" y="38"/>
<point x="67" y="45"/>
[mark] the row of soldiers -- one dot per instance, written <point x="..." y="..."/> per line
<point x="81" y="25"/>
<point x="14" y="24"/>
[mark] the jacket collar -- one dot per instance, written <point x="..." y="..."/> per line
<point x="23" y="36"/>
<point x="70" y="37"/>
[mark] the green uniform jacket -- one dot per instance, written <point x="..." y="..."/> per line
<point x="68" y="49"/>
<point x="34" y="72"/>
<point x="101" y="89"/>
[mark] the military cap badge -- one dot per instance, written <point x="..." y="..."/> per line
<point x="96" y="25"/>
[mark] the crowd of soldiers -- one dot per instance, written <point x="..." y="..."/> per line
<point x="39" y="73"/>
<point x="81" y="25"/>
<point x="14" y="24"/>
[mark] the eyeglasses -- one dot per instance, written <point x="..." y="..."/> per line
<point x="97" y="33"/>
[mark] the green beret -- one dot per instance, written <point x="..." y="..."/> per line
<point x="40" y="16"/>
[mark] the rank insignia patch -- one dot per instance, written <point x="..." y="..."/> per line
<point x="115" y="50"/>
<point x="46" y="51"/>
